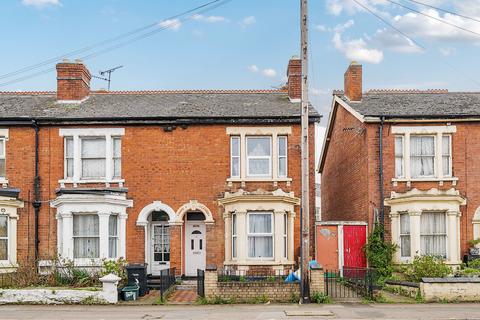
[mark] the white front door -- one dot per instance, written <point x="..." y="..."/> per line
<point x="195" y="247"/>
<point x="159" y="247"/>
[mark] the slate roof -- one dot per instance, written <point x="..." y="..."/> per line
<point x="417" y="104"/>
<point x="193" y="106"/>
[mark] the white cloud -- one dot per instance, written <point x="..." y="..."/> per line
<point x="321" y="28"/>
<point x="271" y="73"/>
<point x="319" y="92"/>
<point x="268" y="72"/>
<point x="248" y="21"/>
<point x="252" y="68"/>
<point x="211" y="19"/>
<point x="172" y="24"/>
<point x="390" y="40"/>
<point x="446" y="51"/>
<point x="41" y="3"/>
<point x="357" y="49"/>
<point x="337" y="7"/>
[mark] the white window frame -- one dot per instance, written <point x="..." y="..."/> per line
<point x="4" y="157"/>
<point x="116" y="158"/>
<point x="6" y="238"/>
<point x="450" y="164"/>
<point x="269" y="158"/>
<point x="409" y="234"/>
<point x="445" y="234"/>
<point x="84" y="236"/>
<point x="435" y="157"/>
<point x="77" y="134"/>
<point x="282" y="156"/>
<point x="65" y="158"/>
<point x="110" y="256"/>
<point x="437" y="132"/>
<point x="271" y="234"/>
<point x="402" y="138"/>
<point x="285" y="235"/>
<point x="82" y="176"/>
<point x="232" y="157"/>
<point x="234" y="236"/>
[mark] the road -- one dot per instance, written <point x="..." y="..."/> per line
<point x="249" y="312"/>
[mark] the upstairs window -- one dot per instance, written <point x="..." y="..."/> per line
<point x="117" y="158"/>
<point x="422" y="156"/>
<point x="282" y="156"/>
<point x="259" y="156"/>
<point x="69" y="160"/>
<point x="447" y="155"/>
<point x="3" y="170"/>
<point x="93" y="158"/>
<point x="399" y="157"/>
<point x="235" y="157"/>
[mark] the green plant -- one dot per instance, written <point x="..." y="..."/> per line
<point x="380" y="253"/>
<point x="242" y="279"/>
<point x="202" y="300"/>
<point x="160" y="301"/>
<point x="294" y="298"/>
<point x="320" y="297"/>
<point x="115" y="266"/>
<point x="473" y="243"/>
<point x="271" y="279"/>
<point x="475" y="264"/>
<point x="427" y="267"/>
<point x="220" y="300"/>
<point x="418" y="297"/>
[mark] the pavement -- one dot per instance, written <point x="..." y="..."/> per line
<point x="249" y="312"/>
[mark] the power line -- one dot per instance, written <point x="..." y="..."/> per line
<point x="168" y="25"/>
<point x="414" y="41"/>
<point x="107" y="41"/>
<point x="435" y="18"/>
<point x="444" y="10"/>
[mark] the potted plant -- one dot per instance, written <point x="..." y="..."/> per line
<point x="474" y="249"/>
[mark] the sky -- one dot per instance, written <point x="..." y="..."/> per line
<point x="246" y="44"/>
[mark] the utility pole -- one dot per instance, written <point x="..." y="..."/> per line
<point x="305" y="210"/>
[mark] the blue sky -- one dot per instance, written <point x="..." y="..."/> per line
<point x="246" y="44"/>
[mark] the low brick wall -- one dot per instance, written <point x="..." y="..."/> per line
<point x="450" y="289"/>
<point x="404" y="288"/>
<point x="277" y="291"/>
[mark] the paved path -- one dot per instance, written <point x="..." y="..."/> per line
<point x="250" y="312"/>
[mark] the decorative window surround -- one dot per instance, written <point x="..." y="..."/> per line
<point x="104" y="205"/>
<point x="438" y="132"/>
<point x="8" y="207"/>
<point x="242" y="203"/>
<point x="109" y="134"/>
<point x="273" y="132"/>
<point x="476" y="225"/>
<point x="4" y="135"/>
<point x="414" y="202"/>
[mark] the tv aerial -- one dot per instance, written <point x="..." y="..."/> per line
<point x="106" y="75"/>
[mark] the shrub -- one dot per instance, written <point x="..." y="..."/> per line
<point x="380" y="253"/>
<point x="427" y="267"/>
<point x="116" y="266"/>
<point x="320" y="297"/>
<point x="474" y="264"/>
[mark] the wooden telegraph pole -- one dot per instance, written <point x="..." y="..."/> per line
<point x="305" y="210"/>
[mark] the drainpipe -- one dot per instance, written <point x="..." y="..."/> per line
<point x="36" y="187"/>
<point x="380" y="176"/>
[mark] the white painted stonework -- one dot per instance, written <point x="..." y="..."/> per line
<point x="8" y="207"/>
<point x="241" y="203"/>
<point x="414" y="202"/>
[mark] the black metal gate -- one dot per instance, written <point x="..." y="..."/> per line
<point x="350" y="283"/>
<point x="201" y="282"/>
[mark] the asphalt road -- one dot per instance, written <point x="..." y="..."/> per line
<point x="249" y="312"/>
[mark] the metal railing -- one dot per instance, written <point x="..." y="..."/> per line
<point x="261" y="275"/>
<point x="166" y="280"/>
<point x="351" y="282"/>
<point x="201" y="282"/>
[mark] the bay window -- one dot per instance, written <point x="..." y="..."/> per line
<point x="405" y="235"/>
<point x="3" y="237"/>
<point x="259" y="156"/>
<point x="285" y="235"/>
<point x="86" y="236"/>
<point x="260" y="235"/>
<point x="433" y="234"/>
<point x="112" y="236"/>
<point x="234" y="235"/>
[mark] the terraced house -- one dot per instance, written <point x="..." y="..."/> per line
<point x="178" y="179"/>
<point x="407" y="159"/>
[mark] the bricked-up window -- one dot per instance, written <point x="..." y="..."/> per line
<point x="234" y="235"/>
<point x="447" y="155"/>
<point x="2" y="158"/>
<point x="69" y="160"/>
<point x="117" y="157"/>
<point x="86" y="237"/>
<point x="260" y="235"/>
<point x="93" y="157"/>
<point x="259" y="156"/>
<point x="399" y="157"/>
<point x="3" y="237"/>
<point x="405" y="234"/>
<point x="422" y="156"/>
<point x="235" y="157"/>
<point x="282" y="156"/>
<point x="112" y="236"/>
<point x="433" y="234"/>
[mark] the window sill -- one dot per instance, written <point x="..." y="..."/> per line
<point x="440" y="181"/>
<point x="75" y="182"/>
<point x="230" y="181"/>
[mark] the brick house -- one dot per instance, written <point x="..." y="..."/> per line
<point x="407" y="159"/>
<point x="178" y="179"/>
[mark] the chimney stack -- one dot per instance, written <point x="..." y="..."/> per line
<point x="294" y="74"/>
<point x="73" y="81"/>
<point x="353" y="82"/>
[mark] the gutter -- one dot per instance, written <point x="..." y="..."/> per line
<point x="380" y="176"/>
<point x="36" y="187"/>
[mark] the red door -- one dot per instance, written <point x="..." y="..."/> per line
<point x="354" y="238"/>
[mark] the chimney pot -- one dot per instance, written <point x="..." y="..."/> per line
<point x="353" y="82"/>
<point x="294" y="74"/>
<point x="73" y="81"/>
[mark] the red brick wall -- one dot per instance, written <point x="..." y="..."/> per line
<point x="73" y="81"/>
<point x="173" y="167"/>
<point x="344" y="176"/>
